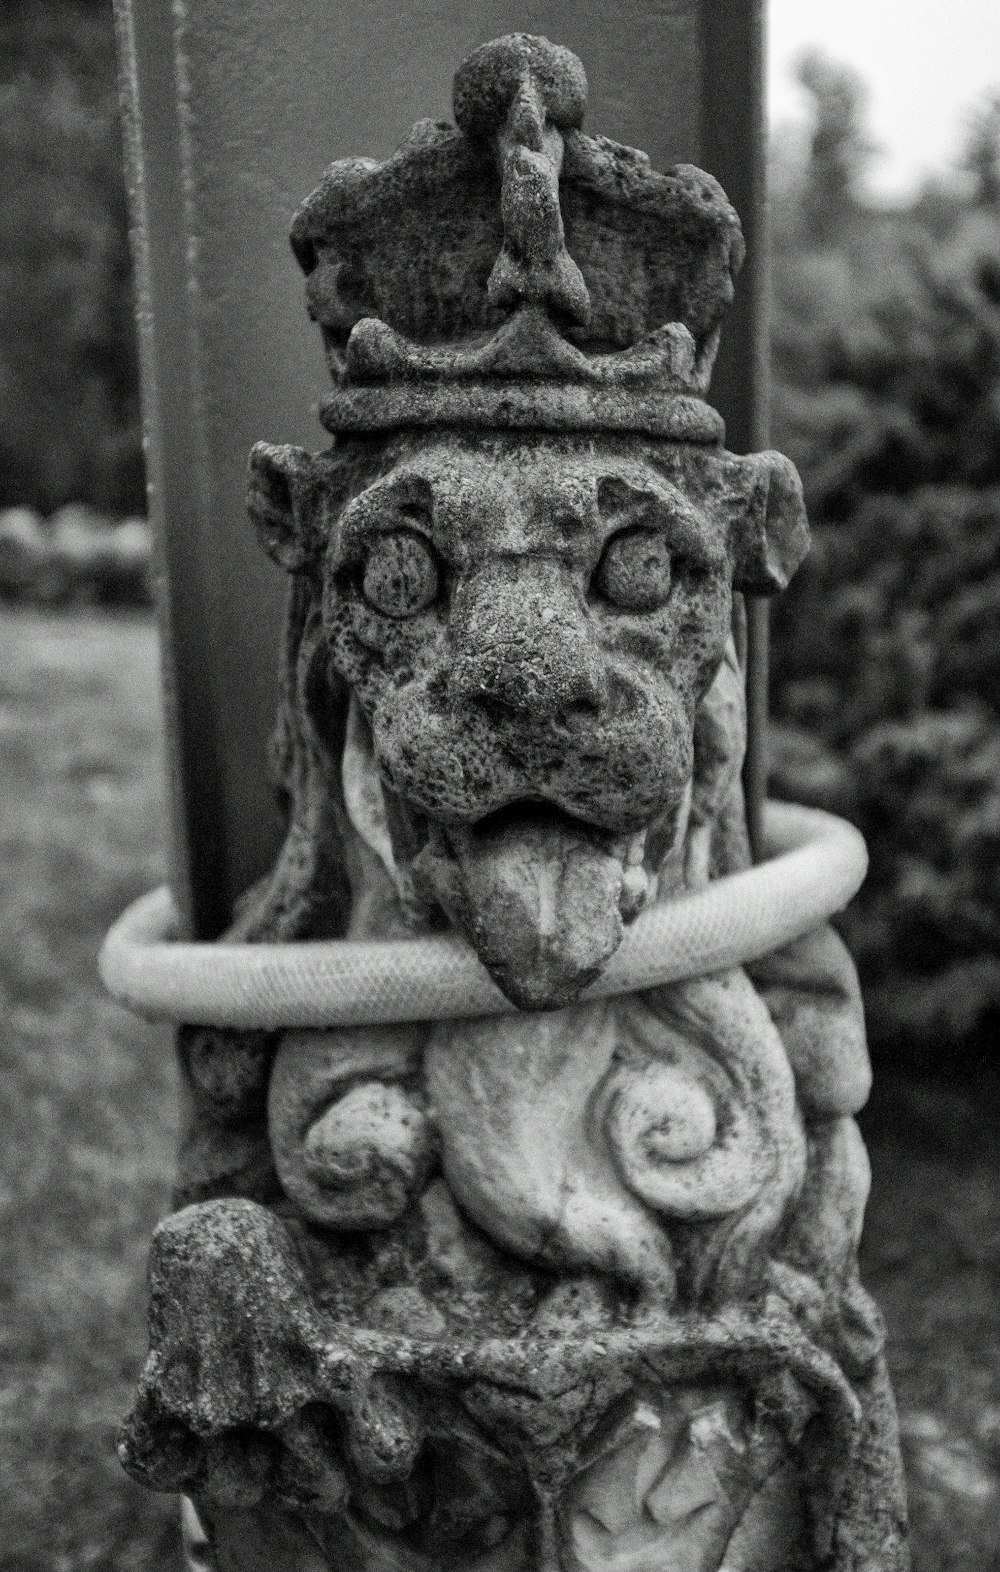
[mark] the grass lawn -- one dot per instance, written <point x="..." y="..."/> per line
<point x="86" y="1109"/>
<point x="85" y="1092"/>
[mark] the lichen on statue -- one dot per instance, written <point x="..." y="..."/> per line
<point x="573" y="1288"/>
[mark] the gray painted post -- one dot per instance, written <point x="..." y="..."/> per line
<point x="233" y="110"/>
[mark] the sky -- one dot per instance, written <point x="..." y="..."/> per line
<point x="926" y="63"/>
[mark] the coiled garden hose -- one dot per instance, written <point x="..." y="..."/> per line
<point x="816" y="863"/>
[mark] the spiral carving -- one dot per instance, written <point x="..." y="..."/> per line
<point x="700" y="1112"/>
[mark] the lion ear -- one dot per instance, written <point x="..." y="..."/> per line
<point x="772" y="536"/>
<point x="281" y="501"/>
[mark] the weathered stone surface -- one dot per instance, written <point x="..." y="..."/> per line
<point x="511" y="226"/>
<point x="574" y="1288"/>
<point x="528" y="629"/>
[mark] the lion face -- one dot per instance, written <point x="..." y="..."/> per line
<point x="528" y="625"/>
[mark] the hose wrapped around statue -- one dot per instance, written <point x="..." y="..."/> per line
<point x="816" y="863"/>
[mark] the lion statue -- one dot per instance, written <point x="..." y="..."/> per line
<point x="571" y="1287"/>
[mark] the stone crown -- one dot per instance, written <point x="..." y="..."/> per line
<point x="513" y="272"/>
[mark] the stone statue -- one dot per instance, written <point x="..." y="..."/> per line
<point x="571" y="1289"/>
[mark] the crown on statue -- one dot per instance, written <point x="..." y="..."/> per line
<point x="514" y="272"/>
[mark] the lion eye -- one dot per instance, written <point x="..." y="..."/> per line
<point x="401" y="575"/>
<point x="634" y="572"/>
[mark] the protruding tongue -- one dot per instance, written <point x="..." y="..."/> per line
<point x="536" y="894"/>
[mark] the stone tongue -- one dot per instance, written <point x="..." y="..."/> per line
<point x="538" y="896"/>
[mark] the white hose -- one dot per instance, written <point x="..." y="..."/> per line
<point x="816" y="864"/>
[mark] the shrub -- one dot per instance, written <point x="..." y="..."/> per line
<point x="885" y="657"/>
<point x="76" y="557"/>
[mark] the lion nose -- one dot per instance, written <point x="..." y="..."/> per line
<point x="522" y="638"/>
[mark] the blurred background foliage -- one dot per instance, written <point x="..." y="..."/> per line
<point x="69" y="411"/>
<point x="886" y="393"/>
<point x="886" y="654"/>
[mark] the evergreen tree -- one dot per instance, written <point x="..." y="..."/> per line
<point x="840" y="150"/>
<point x="981" y="158"/>
<point x="886" y="663"/>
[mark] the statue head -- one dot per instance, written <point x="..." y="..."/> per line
<point x="522" y="547"/>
